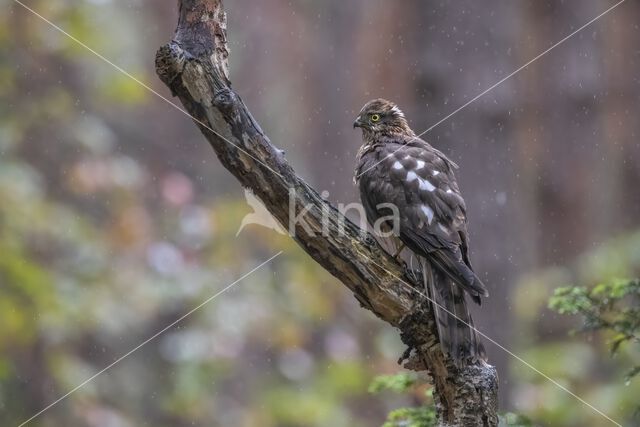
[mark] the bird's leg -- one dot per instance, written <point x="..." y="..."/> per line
<point x="416" y="275"/>
<point x="396" y="255"/>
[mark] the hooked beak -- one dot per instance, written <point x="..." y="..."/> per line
<point x="358" y="123"/>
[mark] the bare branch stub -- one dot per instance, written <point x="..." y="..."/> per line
<point x="194" y="66"/>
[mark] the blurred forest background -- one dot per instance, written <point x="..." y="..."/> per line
<point x="116" y="218"/>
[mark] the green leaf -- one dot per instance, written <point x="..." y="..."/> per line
<point x="424" y="416"/>
<point x="398" y="383"/>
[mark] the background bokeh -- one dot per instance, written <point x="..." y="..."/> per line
<point x="116" y="218"/>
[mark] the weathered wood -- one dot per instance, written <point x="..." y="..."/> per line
<point x="194" y="66"/>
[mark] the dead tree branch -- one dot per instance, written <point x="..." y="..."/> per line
<point x="194" y="66"/>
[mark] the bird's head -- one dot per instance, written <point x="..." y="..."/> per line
<point x="380" y="116"/>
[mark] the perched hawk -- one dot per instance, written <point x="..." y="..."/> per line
<point x="394" y="167"/>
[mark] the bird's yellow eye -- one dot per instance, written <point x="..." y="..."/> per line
<point x="375" y="117"/>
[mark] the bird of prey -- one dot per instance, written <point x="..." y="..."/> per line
<point x="396" y="167"/>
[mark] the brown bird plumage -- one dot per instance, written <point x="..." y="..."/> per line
<point x="396" y="167"/>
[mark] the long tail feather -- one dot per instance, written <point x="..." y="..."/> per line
<point x="455" y="325"/>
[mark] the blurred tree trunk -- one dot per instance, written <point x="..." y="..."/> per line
<point x="618" y="196"/>
<point x="194" y="66"/>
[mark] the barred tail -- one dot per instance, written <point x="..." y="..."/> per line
<point x="455" y="326"/>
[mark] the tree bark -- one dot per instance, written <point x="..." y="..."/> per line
<point x="194" y="66"/>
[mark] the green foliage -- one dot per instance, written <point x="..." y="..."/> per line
<point x="424" y="416"/>
<point x="398" y="383"/>
<point x="583" y="363"/>
<point x="612" y="307"/>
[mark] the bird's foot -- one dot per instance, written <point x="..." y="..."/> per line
<point x="412" y="274"/>
<point x="369" y="240"/>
